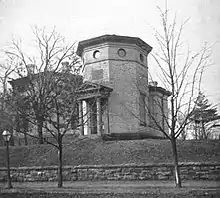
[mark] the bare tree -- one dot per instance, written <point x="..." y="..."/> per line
<point x="45" y="91"/>
<point x="62" y="116"/>
<point x="6" y="116"/>
<point x="180" y="73"/>
<point x="50" y="53"/>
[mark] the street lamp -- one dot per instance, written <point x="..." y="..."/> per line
<point x="6" y="136"/>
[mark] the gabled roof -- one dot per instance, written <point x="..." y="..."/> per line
<point x="91" y="87"/>
<point x="112" y="39"/>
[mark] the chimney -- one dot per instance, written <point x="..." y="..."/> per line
<point x="31" y="68"/>
<point x="65" y="66"/>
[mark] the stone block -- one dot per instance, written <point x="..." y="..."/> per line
<point x="163" y="177"/>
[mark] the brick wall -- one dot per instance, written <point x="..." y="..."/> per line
<point x="189" y="171"/>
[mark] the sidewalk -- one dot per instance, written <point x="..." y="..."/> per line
<point x="113" y="186"/>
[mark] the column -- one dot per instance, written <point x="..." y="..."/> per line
<point x="81" y="124"/>
<point x="107" y="114"/>
<point x="85" y="117"/>
<point x="99" y="116"/>
<point x="88" y="118"/>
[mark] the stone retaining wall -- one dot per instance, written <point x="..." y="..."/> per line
<point x="188" y="171"/>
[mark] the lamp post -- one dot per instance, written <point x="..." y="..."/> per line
<point x="7" y="135"/>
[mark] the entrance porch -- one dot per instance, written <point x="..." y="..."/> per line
<point x="93" y="108"/>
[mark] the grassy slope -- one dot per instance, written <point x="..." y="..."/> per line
<point x="97" y="151"/>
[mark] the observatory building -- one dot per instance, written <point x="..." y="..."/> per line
<point x="116" y="97"/>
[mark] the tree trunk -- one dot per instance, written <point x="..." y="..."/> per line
<point x="40" y="131"/>
<point x="25" y="128"/>
<point x="176" y="166"/>
<point x="204" y="134"/>
<point x="25" y="138"/>
<point x="60" y="165"/>
<point x="196" y="131"/>
<point x="12" y="141"/>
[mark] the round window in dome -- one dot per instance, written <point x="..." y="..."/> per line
<point x="121" y="52"/>
<point x="96" y="54"/>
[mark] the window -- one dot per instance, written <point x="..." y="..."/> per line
<point x="121" y="52"/>
<point x="141" y="58"/>
<point x="96" y="54"/>
<point x="142" y="109"/>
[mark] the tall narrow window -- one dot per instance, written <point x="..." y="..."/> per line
<point x="142" y="109"/>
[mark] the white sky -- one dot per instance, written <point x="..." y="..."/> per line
<point x="83" y="19"/>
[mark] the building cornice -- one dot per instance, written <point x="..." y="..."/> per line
<point x="159" y="89"/>
<point x="112" y="39"/>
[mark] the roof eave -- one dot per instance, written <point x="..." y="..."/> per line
<point x="159" y="89"/>
<point x="112" y="38"/>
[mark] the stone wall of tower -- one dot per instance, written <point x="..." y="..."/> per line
<point x="123" y="102"/>
<point x="129" y="78"/>
<point x="127" y="75"/>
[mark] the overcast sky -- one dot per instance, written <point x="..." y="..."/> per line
<point x="83" y="19"/>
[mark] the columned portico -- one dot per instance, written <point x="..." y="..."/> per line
<point x="95" y="97"/>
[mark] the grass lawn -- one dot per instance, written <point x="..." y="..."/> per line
<point x="123" y="189"/>
<point x="97" y="151"/>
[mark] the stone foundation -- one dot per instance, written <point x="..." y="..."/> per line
<point x="188" y="171"/>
